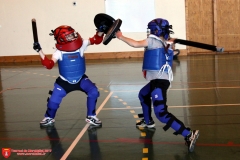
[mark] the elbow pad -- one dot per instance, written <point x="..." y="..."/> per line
<point x="47" y="63"/>
<point x="96" y="39"/>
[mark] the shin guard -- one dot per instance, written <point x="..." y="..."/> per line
<point x="54" y="101"/>
<point x="91" y="90"/>
<point x="146" y="103"/>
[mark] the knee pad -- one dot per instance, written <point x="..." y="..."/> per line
<point x="56" y="97"/>
<point x="140" y="97"/>
<point x="145" y="99"/>
<point x="93" y="93"/>
<point x="146" y="104"/>
<point x="159" y="105"/>
<point x="144" y="93"/>
<point x="157" y="98"/>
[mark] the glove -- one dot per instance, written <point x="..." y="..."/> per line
<point x="102" y="28"/>
<point x="36" y="46"/>
<point x="96" y="39"/>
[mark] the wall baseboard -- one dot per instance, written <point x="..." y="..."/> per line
<point x="98" y="56"/>
<point x="93" y="56"/>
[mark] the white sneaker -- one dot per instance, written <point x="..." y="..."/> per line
<point x="47" y="121"/>
<point x="142" y="124"/>
<point x="93" y="120"/>
<point x="191" y="140"/>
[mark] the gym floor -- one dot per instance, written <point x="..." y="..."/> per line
<point x="204" y="95"/>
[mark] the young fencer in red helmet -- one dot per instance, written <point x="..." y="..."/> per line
<point x="69" y="55"/>
<point x="156" y="68"/>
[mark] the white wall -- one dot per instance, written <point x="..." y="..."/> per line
<point x="174" y="12"/>
<point x="16" y="29"/>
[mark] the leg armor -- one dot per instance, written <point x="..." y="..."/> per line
<point x="146" y="103"/>
<point x="54" y="101"/>
<point x="92" y="92"/>
<point x="161" y="112"/>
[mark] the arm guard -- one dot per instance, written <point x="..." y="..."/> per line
<point x="96" y="39"/>
<point x="47" y="63"/>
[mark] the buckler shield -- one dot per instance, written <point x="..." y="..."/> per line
<point x="6" y="152"/>
<point x="108" y="25"/>
<point x="111" y="32"/>
<point x="103" y="22"/>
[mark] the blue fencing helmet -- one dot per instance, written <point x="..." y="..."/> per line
<point x="160" y="27"/>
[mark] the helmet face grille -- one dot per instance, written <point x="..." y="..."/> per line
<point x="64" y="34"/>
<point x="67" y="38"/>
<point x="72" y="36"/>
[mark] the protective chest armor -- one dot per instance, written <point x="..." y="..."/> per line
<point x="154" y="59"/>
<point x="72" y="67"/>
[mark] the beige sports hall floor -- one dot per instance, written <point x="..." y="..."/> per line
<point x="205" y="95"/>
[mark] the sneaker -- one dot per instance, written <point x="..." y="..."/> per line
<point x="191" y="140"/>
<point x="143" y="124"/>
<point x="93" y="120"/>
<point x="47" y="121"/>
<point x="146" y="130"/>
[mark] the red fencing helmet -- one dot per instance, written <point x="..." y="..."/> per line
<point x="67" y="39"/>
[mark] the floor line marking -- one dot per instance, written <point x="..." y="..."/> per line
<point x="74" y="143"/>
<point x="187" y="106"/>
<point x="19" y="83"/>
<point x="185" y="89"/>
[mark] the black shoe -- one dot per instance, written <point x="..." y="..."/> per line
<point x="191" y="140"/>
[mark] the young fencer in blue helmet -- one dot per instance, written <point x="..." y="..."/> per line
<point x="157" y="62"/>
